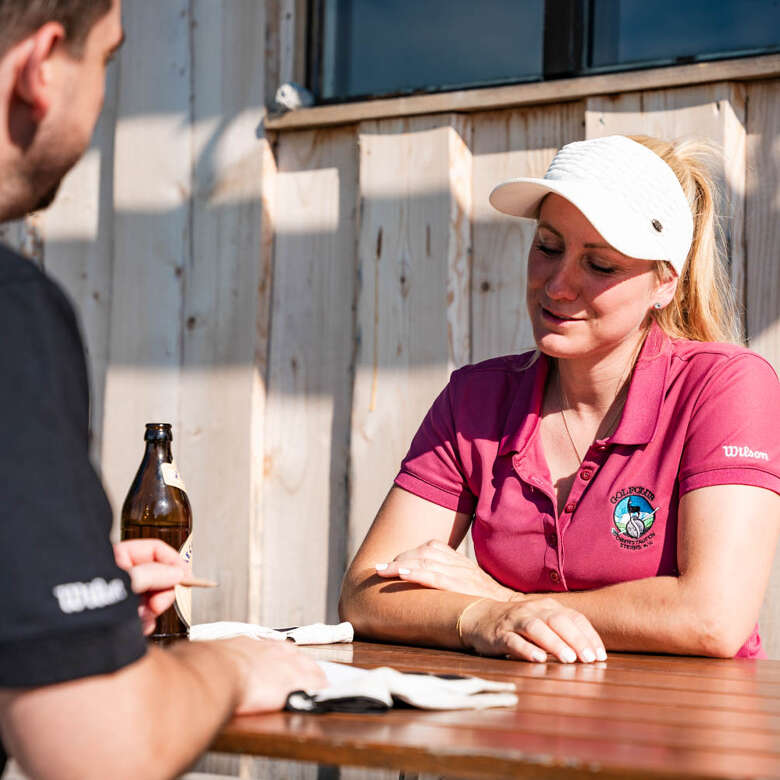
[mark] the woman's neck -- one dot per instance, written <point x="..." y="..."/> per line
<point x="591" y="384"/>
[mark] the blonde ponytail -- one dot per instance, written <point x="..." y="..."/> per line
<point x="703" y="308"/>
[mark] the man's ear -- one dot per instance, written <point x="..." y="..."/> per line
<point x="35" y="75"/>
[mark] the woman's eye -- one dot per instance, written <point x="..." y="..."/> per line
<point x="547" y="250"/>
<point x="601" y="269"/>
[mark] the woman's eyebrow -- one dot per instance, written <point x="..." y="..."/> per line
<point x="548" y="226"/>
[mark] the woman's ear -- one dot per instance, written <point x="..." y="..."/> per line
<point x="35" y="72"/>
<point x="664" y="292"/>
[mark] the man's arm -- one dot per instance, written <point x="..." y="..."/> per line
<point x="150" y="719"/>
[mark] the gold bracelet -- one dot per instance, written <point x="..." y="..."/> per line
<point x="459" y="627"/>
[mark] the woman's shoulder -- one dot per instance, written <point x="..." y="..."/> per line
<point x="496" y="381"/>
<point x="701" y="361"/>
<point x="497" y="369"/>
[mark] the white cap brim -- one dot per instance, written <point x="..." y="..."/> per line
<point x="620" y="227"/>
<point x="624" y="189"/>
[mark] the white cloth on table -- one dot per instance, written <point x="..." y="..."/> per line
<point x="351" y="689"/>
<point x="314" y="634"/>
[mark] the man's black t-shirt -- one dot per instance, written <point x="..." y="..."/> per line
<point x="66" y="609"/>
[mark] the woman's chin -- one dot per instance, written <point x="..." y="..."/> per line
<point x="557" y="345"/>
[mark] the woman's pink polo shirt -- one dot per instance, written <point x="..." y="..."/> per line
<point x="697" y="414"/>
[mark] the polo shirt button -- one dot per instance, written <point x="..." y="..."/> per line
<point x="570" y="507"/>
<point x="586" y="474"/>
<point x="552" y="540"/>
<point x="554" y="576"/>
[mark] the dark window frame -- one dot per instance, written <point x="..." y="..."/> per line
<point x="567" y="52"/>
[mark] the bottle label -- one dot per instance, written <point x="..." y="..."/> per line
<point x="171" y="476"/>
<point x="183" y="601"/>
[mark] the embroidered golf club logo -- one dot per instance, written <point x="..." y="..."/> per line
<point x="633" y="518"/>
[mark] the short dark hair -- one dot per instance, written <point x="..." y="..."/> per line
<point x="20" y="18"/>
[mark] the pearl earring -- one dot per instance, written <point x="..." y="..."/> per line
<point x="657" y="305"/>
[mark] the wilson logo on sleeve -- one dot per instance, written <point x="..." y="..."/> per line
<point x="78" y="596"/>
<point x="732" y="451"/>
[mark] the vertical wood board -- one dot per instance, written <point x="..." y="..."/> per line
<point x="153" y="169"/>
<point x="220" y="298"/>
<point x="762" y="234"/>
<point x="309" y="376"/>
<point x="413" y="295"/>
<point x="509" y="144"/>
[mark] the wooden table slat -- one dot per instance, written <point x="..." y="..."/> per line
<point x="632" y="716"/>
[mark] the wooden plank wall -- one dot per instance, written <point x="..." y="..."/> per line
<point x="405" y="188"/>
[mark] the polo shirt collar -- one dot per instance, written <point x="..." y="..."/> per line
<point x="641" y="413"/>
<point x="526" y="408"/>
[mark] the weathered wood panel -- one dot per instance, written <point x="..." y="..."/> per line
<point x="762" y="239"/>
<point x="220" y="294"/>
<point x="715" y="112"/>
<point x="414" y="285"/>
<point x="309" y="377"/>
<point x="221" y="299"/>
<point x="152" y="236"/>
<point x="508" y="144"/>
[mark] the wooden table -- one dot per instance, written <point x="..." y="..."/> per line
<point x="639" y="716"/>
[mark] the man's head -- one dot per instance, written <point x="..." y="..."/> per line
<point x="53" y="55"/>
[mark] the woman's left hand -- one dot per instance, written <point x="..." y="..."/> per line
<point x="436" y="565"/>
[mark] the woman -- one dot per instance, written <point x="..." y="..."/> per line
<point x="624" y="477"/>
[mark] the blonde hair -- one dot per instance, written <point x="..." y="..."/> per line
<point x="703" y="307"/>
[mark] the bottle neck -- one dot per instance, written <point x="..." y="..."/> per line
<point x="158" y="451"/>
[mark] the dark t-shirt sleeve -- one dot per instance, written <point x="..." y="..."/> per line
<point x="67" y="609"/>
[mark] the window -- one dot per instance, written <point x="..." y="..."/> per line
<point x="372" y="48"/>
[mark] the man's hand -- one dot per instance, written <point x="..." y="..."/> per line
<point x="154" y="569"/>
<point x="270" y="671"/>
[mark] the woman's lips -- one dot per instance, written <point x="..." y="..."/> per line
<point x="558" y="318"/>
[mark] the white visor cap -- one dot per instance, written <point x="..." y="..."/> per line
<point x="625" y="190"/>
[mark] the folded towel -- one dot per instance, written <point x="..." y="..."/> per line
<point x="351" y="689"/>
<point x="315" y="634"/>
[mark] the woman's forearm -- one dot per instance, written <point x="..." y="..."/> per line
<point x="401" y="612"/>
<point x="664" y="615"/>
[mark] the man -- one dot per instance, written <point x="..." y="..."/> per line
<point x="81" y="696"/>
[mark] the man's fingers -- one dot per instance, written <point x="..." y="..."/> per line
<point x="157" y="603"/>
<point x="136" y="551"/>
<point x="155" y="576"/>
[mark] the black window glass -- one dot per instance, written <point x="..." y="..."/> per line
<point x="372" y="47"/>
<point x="639" y="31"/>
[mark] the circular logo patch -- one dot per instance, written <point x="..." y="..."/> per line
<point x="633" y="517"/>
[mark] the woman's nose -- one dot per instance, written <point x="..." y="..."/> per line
<point x="561" y="284"/>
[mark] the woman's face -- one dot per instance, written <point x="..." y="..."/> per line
<point x="585" y="299"/>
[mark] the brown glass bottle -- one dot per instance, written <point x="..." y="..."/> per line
<point x="157" y="507"/>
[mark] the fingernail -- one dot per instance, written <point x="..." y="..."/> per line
<point x="588" y="655"/>
<point x="539" y="656"/>
<point x="601" y="654"/>
<point x="569" y="656"/>
<point x="404" y="571"/>
<point x="381" y="566"/>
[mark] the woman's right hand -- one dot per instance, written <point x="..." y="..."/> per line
<point x="529" y="630"/>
